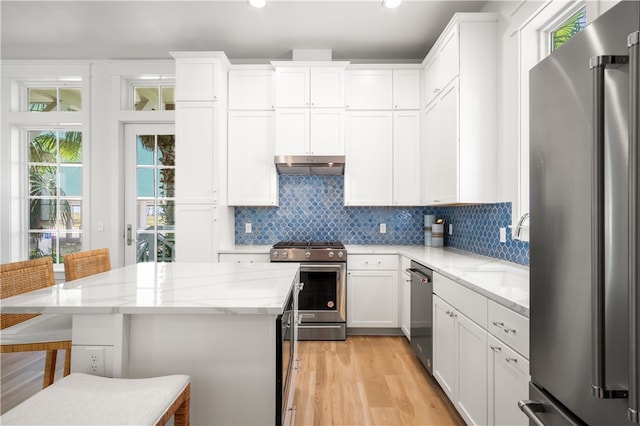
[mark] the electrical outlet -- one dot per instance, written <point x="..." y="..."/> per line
<point x="91" y="360"/>
<point x="247" y="228"/>
<point x="503" y="235"/>
<point x="383" y="228"/>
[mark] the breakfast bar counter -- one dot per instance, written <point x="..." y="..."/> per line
<point x="214" y="322"/>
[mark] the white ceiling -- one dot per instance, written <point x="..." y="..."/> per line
<point x="357" y="30"/>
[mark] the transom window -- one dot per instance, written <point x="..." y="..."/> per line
<point x="572" y="26"/>
<point x="55" y="192"/>
<point x="59" y="98"/>
<point x="153" y="97"/>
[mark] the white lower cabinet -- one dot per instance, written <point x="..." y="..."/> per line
<point x="372" y="291"/>
<point x="508" y="383"/>
<point x="482" y="375"/>
<point x="405" y="297"/>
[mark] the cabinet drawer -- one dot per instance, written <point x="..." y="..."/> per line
<point x="244" y="257"/>
<point x="510" y="327"/>
<point x="367" y="261"/>
<point x="470" y="303"/>
<point x="507" y="354"/>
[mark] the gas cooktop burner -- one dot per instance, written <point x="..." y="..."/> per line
<point x="312" y="251"/>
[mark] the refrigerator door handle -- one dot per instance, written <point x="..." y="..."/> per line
<point x="633" y="42"/>
<point x="598" y="378"/>
<point x="530" y="408"/>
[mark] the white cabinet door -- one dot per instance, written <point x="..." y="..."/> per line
<point x="372" y="299"/>
<point x="444" y="346"/>
<point x="251" y="89"/>
<point x="252" y="178"/>
<point x="292" y="87"/>
<point x="508" y="383"/>
<point x="471" y="357"/>
<point x="327" y="87"/>
<point x="327" y="131"/>
<point x="368" y="176"/>
<point x="406" y="158"/>
<point x="195" y="152"/>
<point x="292" y="131"/>
<point x="406" y="89"/>
<point x="201" y="76"/>
<point x="369" y="89"/>
<point x="440" y="155"/>
<point x="196" y="233"/>
<point x="449" y="52"/>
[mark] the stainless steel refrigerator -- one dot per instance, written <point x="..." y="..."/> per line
<point x="584" y="226"/>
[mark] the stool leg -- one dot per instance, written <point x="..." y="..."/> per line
<point x="50" y="368"/>
<point x="182" y="417"/>
<point x="67" y="361"/>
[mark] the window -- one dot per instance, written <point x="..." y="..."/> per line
<point x="155" y="197"/>
<point x="153" y="98"/>
<point x="55" y="192"/>
<point x="568" y="29"/>
<point x="48" y="99"/>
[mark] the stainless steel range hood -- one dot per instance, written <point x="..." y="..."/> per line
<point x="310" y="164"/>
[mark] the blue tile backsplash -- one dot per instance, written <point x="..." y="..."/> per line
<point x="311" y="208"/>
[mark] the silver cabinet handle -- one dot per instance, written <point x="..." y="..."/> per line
<point x="495" y="348"/>
<point x="633" y="42"/>
<point x="530" y="408"/>
<point x="598" y="66"/>
<point x="498" y="324"/>
<point x="509" y="330"/>
<point x="511" y="360"/>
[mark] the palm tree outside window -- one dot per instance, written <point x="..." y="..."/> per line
<point x="572" y="26"/>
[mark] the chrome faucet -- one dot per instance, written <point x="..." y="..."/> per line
<point x="520" y="224"/>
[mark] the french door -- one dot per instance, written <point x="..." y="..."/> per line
<point x="149" y="189"/>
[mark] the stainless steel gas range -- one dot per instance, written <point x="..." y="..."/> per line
<point x="322" y="303"/>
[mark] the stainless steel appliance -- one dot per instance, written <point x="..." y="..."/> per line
<point x="584" y="113"/>
<point x="285" y="351"/>
<point x="322" y="302"/>
<point x="421" y="313"/>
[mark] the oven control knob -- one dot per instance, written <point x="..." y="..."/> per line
<point x="340" y="254"/>
<point x="307" y="254"/>
<point x="284" y="254"/>
<point x="331" y="254"/>
<point x="274" y="254"/>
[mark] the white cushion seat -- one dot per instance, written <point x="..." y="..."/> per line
<point x="84" y="399"/>
<point x="43" y="328"/>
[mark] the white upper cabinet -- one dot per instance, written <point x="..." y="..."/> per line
<point x="442" y="64"/>
<point x="201" y="76"/>
<point x="316" y="86"/>
<point x="368" y="175"/>
<point x="461" y="115"/>
<point x="406" y="158"/>
<point x="252" y="178"/>
<point x="370" y="89"/>
<point x="406" y="89"/>
<point x="251" y="89"/>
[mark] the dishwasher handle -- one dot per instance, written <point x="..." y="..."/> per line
<point x="419" y="274"/>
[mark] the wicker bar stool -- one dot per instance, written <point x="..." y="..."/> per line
<point x="84" y="399"/>
<point x="33" y="332"/>
<point x="85" y="263"/>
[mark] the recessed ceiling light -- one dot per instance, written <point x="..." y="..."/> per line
<point x="257" y="3"/>
<point x="390" y="4"/>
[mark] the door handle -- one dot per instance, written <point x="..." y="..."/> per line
<point x="530" y="408"/>
<point x="633" y="42"/>
<point x="598" y="66"/>
<point x="129" y="235"/>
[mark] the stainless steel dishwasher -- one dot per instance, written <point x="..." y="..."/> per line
<point x="421" y="313"/>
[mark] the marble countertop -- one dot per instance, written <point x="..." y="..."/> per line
<point x="176" y="288"/>
<point x="503" y="282"/>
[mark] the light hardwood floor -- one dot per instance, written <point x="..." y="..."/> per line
<point x="367" y="380"/>
<point x="364" y="380"/>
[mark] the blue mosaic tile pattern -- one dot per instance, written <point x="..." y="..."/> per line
<point x="311" y="208"/>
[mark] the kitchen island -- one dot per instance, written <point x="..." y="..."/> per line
<point x="214" y="322"/>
